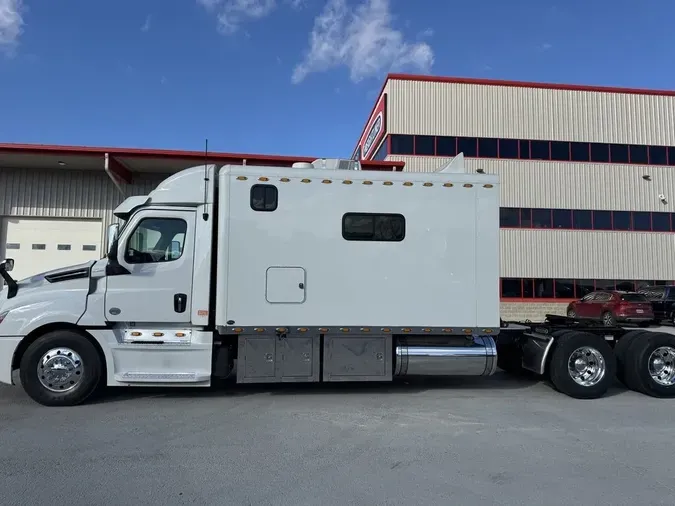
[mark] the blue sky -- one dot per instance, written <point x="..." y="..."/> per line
<point x="246" y="74"/>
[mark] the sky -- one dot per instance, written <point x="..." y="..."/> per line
<point x="292" y="77"/>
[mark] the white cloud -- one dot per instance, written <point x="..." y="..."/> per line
<point x="146" y="25"/>
<point x="232" y="13"/>
<point x="362" y="39"/>
<point x="11" y="24"/>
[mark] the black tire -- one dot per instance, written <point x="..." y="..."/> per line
<point x="636" y="364"/>
<point x="83" y="379"/>
<point x="620" y="351"/>
<point x="608" y="319"/>
<point x="565" y="346"/>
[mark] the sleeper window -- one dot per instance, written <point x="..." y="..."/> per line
<point x="373" y="227"/>
<point x="264" y="197"/>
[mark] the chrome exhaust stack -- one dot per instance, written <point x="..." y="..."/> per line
<point x="478" y="357"/>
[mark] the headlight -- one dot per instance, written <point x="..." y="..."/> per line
<point x="3" y="315"/>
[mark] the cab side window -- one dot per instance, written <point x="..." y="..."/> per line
<point x="156" y="240"/>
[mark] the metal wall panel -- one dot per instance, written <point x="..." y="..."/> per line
<point x="587" y="255"/>
<point x="568" y="185"/>
<point x="478" y="110"/>
<point x="65" y="193"/>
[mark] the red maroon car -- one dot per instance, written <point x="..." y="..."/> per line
<point x="612" y="307"/>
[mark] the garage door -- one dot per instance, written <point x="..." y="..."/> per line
<point x="39" y="245"/>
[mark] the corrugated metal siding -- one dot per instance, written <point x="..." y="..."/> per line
<point x="65" y="193"/>
<point x="568" y="185"/>
<point x="587" y="255"/>
<point x="476" y="110"/>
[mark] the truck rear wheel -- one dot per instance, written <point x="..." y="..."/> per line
<point x="621" y="348"/>
<point x="649" y="365"/>
<point x="582" y="365"/>
<point x="61" y="368"/>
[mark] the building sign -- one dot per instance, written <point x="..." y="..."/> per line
<point x="375" y="130"/>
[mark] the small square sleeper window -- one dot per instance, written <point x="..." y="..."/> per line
<point x="264" y="197"/>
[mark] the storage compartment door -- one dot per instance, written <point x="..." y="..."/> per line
<point x="285" y="285"/>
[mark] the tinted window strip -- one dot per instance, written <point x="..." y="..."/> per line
<point x="516" y="289"/>
<point x="529" y="149"/>
<point x="585" y="219"/>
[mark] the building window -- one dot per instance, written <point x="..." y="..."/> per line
<point x="63" y="247"/>
<point x="12" y="245"/>
<point x="527" y="149"/>
<point x="508" y="148"/>
<point x="540" y="150"/>
<point x="524" y="150"/>
<point x="562" y="218"/>
<point x="468" y="146"/>
<point x="264" y="197"/>
<point x="509" y="217"/>
<point x="89" y="247"/>
<point x="373" y="227"/>
<point x="599" y="152"/>
<point x="582" y="219"/>
<point x="638" y="154"/>
<point x="602" y="220"/>
<point x="560" y="151"/>
<point x="568" y="289"/>
<point x="446" y="146"/>
<point x="661" y="222"/>
<point x="586" y="219"/>
<point x="487" y="148"/>
<point x="658" y="155"/>
<point x="424" y="145"/>
<point x="402" y="144"/>
<point x="580" y="152"/>
<point x="381" y="153"/>
<point x="39" y="247"/>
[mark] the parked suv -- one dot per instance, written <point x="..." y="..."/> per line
<point x="612" y="307"/>
<point x="662" y="299"/>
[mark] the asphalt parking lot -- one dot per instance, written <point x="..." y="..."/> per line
<point x="474" y="441"/>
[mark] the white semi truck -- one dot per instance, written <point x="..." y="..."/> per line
<point x="305" y="274"/>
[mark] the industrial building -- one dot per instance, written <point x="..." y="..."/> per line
<point x="57" y="201"/>
<point x="587" y="174"/>
<point x="588" y="181"/>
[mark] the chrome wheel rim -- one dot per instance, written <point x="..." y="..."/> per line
<point x="586" y="366"/>
<point x="662" y="366"/>
<point x="571" y="314"/>
<point x="607" y="319"/>
<point x="60" y="370"/>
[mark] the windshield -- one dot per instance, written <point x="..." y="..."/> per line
<point x="633" y="297"/>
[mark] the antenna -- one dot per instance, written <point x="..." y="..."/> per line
<point x="205" y="215"/>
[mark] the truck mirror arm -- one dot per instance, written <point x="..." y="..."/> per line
<point x="114" y="268"/>
<point x="12" y="285"/>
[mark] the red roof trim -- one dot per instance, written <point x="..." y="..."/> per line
<point x="526" y="84"/>
<point x="48" y="149"/>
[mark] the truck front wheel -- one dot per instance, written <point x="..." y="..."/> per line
<point x="582" y="365"/>
<point x="61" y="368"/>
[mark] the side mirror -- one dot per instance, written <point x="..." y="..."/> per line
<point x="7" y="265"/>
<point x="174" y="252"/>
<point x="113" y="230"/>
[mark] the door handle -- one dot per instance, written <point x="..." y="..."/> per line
<point x="179" y="302"/>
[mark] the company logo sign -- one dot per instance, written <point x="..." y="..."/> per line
<point x="373" y="134"/>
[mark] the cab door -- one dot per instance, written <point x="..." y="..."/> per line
<point x="156" y="255"/>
